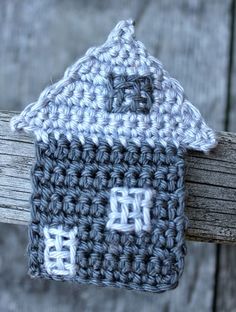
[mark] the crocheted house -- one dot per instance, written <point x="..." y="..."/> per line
<point x="108" y="180"/>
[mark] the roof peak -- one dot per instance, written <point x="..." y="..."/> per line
<point x="124" y="29"/>
<point x="117" y="91"/>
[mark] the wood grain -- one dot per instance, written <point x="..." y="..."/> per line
<point x="211" y="185"/>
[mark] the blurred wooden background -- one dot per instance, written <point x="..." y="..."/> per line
<point x="195" y="41"/>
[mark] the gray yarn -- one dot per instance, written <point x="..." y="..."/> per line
<point x="80" y="103"/>
<point x="108" y="182"/>
<point x="130" y="94"/>
<point x="71" y="185"/>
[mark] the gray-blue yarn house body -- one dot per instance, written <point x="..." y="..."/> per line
<point x="108" y="181"/>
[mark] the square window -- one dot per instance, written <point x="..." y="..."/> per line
<point x="60" y="250"/>
<point x="130" y="94"/>
<point x="130" y="209"/>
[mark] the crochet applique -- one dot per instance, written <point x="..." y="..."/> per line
<point x="108" y="180"/>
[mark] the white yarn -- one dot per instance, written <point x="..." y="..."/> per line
<point x="60" y="250"/>
<point x="130" y="209"/>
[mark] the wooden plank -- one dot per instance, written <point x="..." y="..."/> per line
<point x="210" y="209"/>
<point x="226" y="275"/>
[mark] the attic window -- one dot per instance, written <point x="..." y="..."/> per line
<point x="130" y="94"/>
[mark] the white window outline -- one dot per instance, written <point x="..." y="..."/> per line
<point x="130" y="209"/>
<point x="60" y="250"/>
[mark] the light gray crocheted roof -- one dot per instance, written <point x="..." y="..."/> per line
<point x="117" y="91"/>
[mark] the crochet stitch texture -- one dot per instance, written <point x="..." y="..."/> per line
<point x="108" y="181"/>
